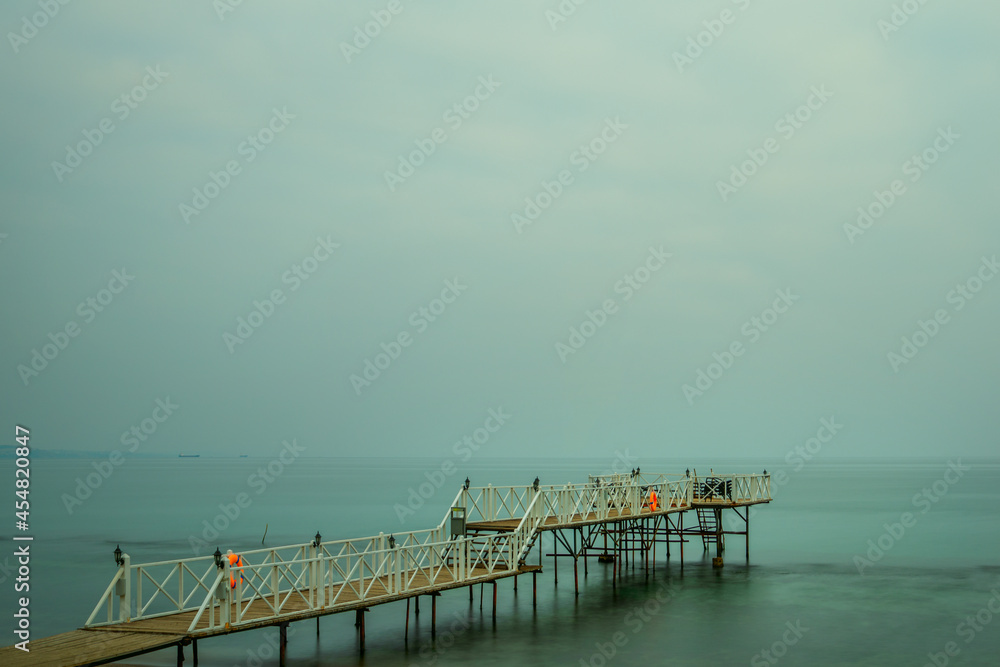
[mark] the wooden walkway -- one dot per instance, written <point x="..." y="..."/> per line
<point x="579" y="519"/>
<point x="111" y="643"/>
<point x="86" y="647"/>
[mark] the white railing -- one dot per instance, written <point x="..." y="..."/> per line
<point x="276" y="582"/>
<point x="731" y="488"/>
<point x="287" y="580"/>
<point x="599" y="499"/>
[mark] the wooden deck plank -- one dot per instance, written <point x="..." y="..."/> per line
<point x="85" y="647"/>
<point x="343" y="598"/>
<point x="120" y="641"/>
<point x="579" y="519"/>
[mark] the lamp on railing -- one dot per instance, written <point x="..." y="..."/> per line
<point x="119" y="561"/>
<point x="466" y="483"/>
<point x="218" y="558"/>
<point x="534" y="484"/>
<point x="317" y="540"/>
<point x="765" y="471"/>
<point x="392" y="542"/>
<point x="687" y="473"/>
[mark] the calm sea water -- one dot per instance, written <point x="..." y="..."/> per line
<point x="801" y="597"/>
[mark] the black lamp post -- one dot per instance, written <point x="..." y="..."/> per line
<point x="765" y="471"/>
<point x="534" y="484"/>
<point x="218" y="558"/>
<point x="119" y="561"/>
<point x="392" y="542"/>
<point x="317" y="540"/>
<point x="687" y="473"/>
<point x="466" y="483"/>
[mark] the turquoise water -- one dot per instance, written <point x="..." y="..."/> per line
<point x="801" y="597"/>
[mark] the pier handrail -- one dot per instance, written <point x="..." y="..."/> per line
<point x="521" y="538"/>
<point x="319" y="575"/>
<point x="108" y="599"/>
<point x="735" y="488"/>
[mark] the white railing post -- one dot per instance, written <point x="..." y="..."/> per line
<point x="138" y="590"/>
<point x="389" y="566"/>
<point x="274" y="580"/>
<point x="490" y="505"/>
<point x="361" y="576"/>
<point x="399" y="570"/>
<point x="310" y="576"/>
<point x="124" y="586"/>
<point x="463" y="555"/>
<point x="239" y="592"/>
<point x="226" y="599"/>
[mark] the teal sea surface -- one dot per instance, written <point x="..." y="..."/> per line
<point x="853" y="563"/>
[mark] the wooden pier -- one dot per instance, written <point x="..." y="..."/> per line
<point x="488" y="535"/>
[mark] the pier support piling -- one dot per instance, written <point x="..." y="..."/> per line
<point x="747" y="510"/>
<point x="680" y="533"/>
<point x="555" y="559"/>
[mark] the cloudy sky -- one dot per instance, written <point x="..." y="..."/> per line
<point x="366" y="225"/>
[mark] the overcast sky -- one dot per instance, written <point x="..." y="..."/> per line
<point x="213" y="157"/>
